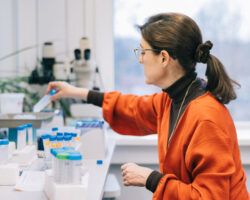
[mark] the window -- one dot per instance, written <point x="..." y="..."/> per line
<point x="225" y="22"/>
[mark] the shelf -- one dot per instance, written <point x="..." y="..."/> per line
<point x="14" y="120"/>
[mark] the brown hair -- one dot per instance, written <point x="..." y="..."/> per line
<point x="181" y="37"/>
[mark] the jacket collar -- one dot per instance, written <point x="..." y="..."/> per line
<point x="177" y="90"/>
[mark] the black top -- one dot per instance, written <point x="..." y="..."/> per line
<point x="176" y="92"/>
<point x="95" y="97"/>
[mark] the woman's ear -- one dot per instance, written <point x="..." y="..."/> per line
<point x="165" y="58"/>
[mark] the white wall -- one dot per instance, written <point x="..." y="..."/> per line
<point x="32" y="22"/>
<point x="25" y="35"/>
<point x="7" y="35"/>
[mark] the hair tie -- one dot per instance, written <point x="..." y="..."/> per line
<point x="203" y="52"/>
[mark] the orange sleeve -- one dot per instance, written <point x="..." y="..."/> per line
<point x="209" y="161"/>
<point x="130" y="114"/>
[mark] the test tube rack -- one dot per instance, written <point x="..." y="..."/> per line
<point x="56" y="191"/>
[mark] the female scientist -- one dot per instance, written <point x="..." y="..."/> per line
<point x="199" y="155"/>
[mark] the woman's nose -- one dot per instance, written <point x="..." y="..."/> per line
<point x="140" y="59"/>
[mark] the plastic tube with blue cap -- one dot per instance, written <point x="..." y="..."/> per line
<point x="4" y="151"/>
<point x="30" y="134"/>
<point x="44" y="101"/>
<point x="74" y="168"/>
<point x="54" y="130"/>
<point x="21" y="137"/>
<point x="46" y="145"/>
<point x="67" y="140"/>
<point x="62" y="165"/>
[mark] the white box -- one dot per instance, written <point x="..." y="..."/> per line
<point x="56" y="191"/>
<point x="25" y="156"/>
<point x="11" y="103"/>
<point x="94" y="144"/>
<point x="9" y="174"/>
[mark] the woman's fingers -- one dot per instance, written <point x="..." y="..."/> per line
<point x="56" y="96"/>
<point x="52" y="85"/>
<point x="125" y="171"/>
<point x="126" y="180"/>
<point x="134" y="174"/>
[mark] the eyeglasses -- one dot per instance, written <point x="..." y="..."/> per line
<point x="140" y="52"/>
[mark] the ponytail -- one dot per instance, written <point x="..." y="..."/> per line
<point x="218" y="81"/>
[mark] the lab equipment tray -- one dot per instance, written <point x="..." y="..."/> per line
<point x="14" y="120"/>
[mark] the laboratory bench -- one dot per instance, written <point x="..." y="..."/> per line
<point x="139" y="149"/>
<point x="96" y="182"/>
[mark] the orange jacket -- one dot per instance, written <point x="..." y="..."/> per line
<point x="202" y="160"/>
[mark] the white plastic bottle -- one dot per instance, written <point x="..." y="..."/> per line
<point x="59" y="143"/>
<point x="54" y="130"/>
<point x="24" y="136"/>
<point x="61" y="175"/>
<point x="3" y="150"/>
<point x="54" y="152"/>
<point x="53" y="141"/>
<point x="44" y="101"/>
<point x="74" y="142"/>
<point x="77" y="140"/>
<point x="53" y="155"/>
<point x="46" y="146"/>
<point x="30" y="134"/>
<point x="67" y="140"/>
<point x="74" y="169"/>
<point x="21" y="137"/>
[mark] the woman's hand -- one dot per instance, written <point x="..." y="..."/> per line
<point x="65" y="90"/>
<point x="135" y="175"/>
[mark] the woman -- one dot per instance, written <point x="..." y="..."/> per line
<point x="198" y="150"/>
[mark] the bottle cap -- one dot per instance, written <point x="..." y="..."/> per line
<point x="45" y="136"/>
<point x="67" y="133"/>
<point x="99" y="162"/>
<point x="54" y="129"/>
<point x="20" y="128"/>
<point x="74" y="134"/>
<point x="67" y="137"/>
<point x="52" y="137"/>
<point x="29" y="125"/>
<point x="59" y="134"/>
<point x="54" y="151"/>
<point x="4" y="141"/>
<point x="59" y="138"/>
<point x="62" y="155"/>
<point x="68" y="149"/>
<point x="52" y="92"/>
<point x="75" y="156"/>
